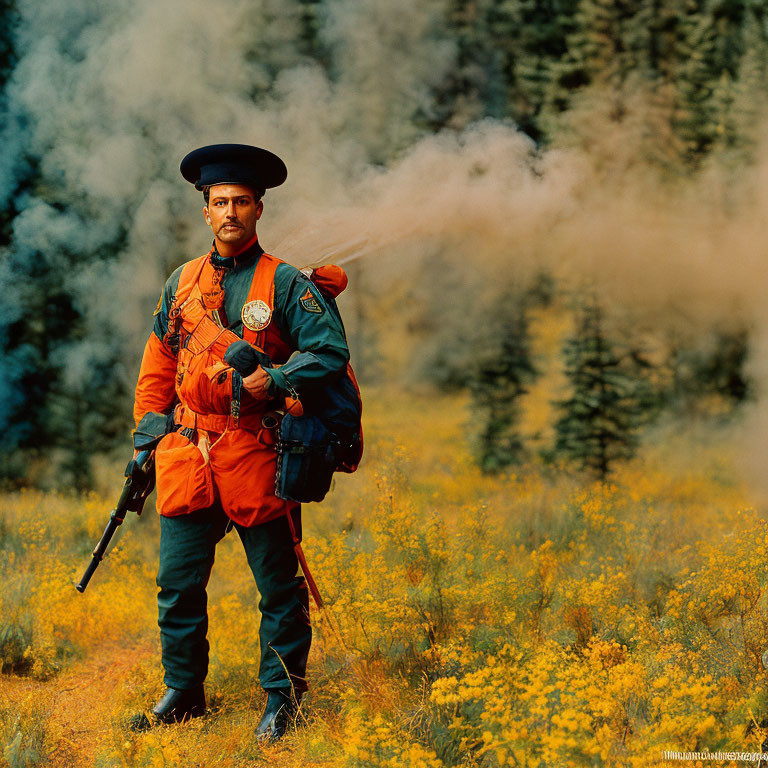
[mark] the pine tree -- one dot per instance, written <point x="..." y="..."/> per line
<point x="34" y="339"/>
<point x="498" y="383"/>
<point x="608" y="41"/>
<point x="310" y="38"/>
<point x="708" y="374"/>
<point x="709" y="54"/>
<point x="599" y="421"/>
<point x="531" y="37"/>
<point x="750" y="87"/>
<point x="441" y="319"/>
<point x="8" y="20"/>
<point x="506" y="54"/>
<point x="69" y="413"/>
<point x="43" y="416"/>
<point x="474" y="86"/>
<point x="17" y="358"/>
<point x="614" y="71"/>
<point x="362" y="334"/>
<point x="724" y="369"/>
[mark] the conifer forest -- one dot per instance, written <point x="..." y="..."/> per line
<point x="553" y="215"/>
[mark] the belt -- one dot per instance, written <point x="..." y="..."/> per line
<point x="220" y="422"/>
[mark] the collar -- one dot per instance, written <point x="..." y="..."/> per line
<point x="247" y="256"/>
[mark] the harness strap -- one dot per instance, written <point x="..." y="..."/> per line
<point x="262" y="287"/>
<point x="188" y="279"/>
<point x="311" y="583"/>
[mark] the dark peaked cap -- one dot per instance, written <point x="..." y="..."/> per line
<point x="233" y="164"/>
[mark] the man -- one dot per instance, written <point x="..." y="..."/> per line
<point x="217" y="470"/>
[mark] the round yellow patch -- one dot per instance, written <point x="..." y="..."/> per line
<point x="256" y="315"/>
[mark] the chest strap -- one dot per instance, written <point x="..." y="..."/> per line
<point x="262" y="289"/>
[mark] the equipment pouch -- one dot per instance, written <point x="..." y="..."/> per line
<point x="307" y="455"/>
<point x="185" y="481"/>
<point x="151" y="429"/>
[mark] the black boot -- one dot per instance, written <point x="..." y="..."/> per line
<point x="174" y="707"/>
<point x="279" y="713"/>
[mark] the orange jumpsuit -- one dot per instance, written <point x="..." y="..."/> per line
<point x="224" y="453"/>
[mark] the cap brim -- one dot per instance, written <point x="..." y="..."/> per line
<point x="233" y="164"/>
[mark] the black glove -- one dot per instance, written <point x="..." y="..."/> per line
<point x="245" y="358"/>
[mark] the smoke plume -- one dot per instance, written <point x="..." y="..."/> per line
<point x="107" y="98"/>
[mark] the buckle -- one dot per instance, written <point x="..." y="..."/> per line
<point x="270" y="420"/>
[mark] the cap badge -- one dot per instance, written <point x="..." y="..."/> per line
<point x="256" y="315"/>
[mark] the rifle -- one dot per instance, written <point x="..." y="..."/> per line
<point x="139" y="483"/>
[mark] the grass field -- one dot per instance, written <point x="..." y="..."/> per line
<point x="529" y="620"/>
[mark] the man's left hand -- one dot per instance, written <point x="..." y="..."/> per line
<point x="257" y="383"/>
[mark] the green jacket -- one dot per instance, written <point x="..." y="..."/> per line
<point x="312" y="329"/>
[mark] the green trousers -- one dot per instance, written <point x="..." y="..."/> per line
<point x="187" y="547"/>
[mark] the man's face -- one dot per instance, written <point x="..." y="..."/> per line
<point x="232" y="212"/>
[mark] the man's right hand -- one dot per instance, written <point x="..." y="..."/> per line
<point x="257" y="383"/>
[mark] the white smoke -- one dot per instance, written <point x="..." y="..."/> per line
<point x="110" y="96"/>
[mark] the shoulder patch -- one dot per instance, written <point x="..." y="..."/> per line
<point x="310" y="304"/>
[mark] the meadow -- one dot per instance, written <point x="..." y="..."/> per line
<point x="530" y="619"/>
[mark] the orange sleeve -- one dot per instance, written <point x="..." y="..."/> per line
<point x="155" y="389"/>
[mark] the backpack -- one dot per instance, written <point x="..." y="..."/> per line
<point x="327" y="436"/>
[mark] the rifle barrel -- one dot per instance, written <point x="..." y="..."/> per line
<point x="98" y="553"/>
